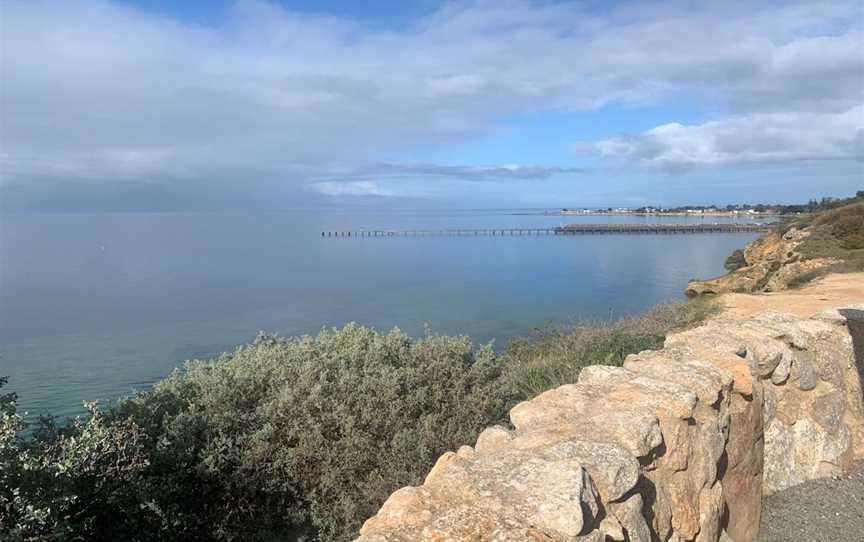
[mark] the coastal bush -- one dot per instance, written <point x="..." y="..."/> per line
<point x="287" y="438"/>
<point x="306" y="437"/>
<point x="70" y="483"/>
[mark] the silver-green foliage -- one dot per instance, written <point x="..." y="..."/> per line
<point x="52" y="487"/>
<point x="286" y="438"/>
<point x="308" y="436"/>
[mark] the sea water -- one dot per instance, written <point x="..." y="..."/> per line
<point x="96" y="306"/>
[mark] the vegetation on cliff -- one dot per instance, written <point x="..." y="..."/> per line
<point x="289" y="439"/>
<point x="838" y="235"/>
<point x="555" y="355"/>
<point x="800" y="250"/>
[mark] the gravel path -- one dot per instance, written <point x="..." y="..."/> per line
<point x="818" y="510"/>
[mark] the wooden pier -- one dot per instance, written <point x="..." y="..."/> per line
<point x="571" y="229"/>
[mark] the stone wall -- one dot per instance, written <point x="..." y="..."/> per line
<point x="677" y="445"/>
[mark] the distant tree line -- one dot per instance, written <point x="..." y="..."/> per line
<point x="812" y="206"/>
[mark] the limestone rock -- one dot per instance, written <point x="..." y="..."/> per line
<point x="828" y="410"/>
<point x="629" y="515"/>
<point x="742" y="479"/>
<point x="612" y="529"/>
<point x="804" y="373"/>
<point x="493" y="438"/>
<point x="818" y="453"/>
<point x="781" y="372"/>
<point x="764" y="358"/>
<point x="780" y="470"/>
<point x="768" y="264"/>
<point x="613" y="469"/>
<point x="510" y="488"/>
<point x="676" y="445"/>
<point x="791" y="270"/>
<point x="832" y="316"/>
<point x="710" y="513"/>
<point x="735" y="261"/>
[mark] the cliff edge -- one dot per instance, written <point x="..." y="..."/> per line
<point x="767" y="264"/>
<point x="792" y="254"/>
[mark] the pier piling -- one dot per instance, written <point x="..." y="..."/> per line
<point x="572" y="229"/>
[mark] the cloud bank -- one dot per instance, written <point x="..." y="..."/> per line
<point x="98" y="91"/>
<point x="436" y="171"/>
<point x="753" y="139"/>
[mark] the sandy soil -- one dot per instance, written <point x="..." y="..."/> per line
<point x="829" y="292"/>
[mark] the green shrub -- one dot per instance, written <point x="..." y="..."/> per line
<point x="287" y="439"/>
<point x="68" y="484"/>
<point x="310" y="435"/>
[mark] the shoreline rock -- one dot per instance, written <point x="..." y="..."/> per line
<point x="767" y="264"/>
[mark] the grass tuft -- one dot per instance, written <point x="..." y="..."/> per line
<point x="556" y="355"/>
<point x="849" y="266"/>
<point x="838" y="233"/>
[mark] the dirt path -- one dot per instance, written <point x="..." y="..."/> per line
<point x="830" y="292"/>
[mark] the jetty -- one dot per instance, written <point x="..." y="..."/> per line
<point x="570" y="229"/>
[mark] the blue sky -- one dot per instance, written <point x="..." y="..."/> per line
<point x="155" y="104"/>
<point x="375" y="14"/>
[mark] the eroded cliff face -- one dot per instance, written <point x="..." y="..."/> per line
<point x="769" y="264"/>
<point x="678" y="445"/>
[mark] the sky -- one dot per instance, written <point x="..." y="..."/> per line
<point x="135" y="105"/>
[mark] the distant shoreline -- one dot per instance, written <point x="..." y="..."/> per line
<point x="676" y="213"/>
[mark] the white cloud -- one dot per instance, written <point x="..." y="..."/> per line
<point x="93" y="89"/>
<point x="759" y="138"/>
<point x="366" y="180"/>
<point x="350" y="188"/>
<point x="464" y="173"/>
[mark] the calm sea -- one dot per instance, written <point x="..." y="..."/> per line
<point x="95" y="306"/>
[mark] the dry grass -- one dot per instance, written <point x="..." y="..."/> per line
<point x="555" y="355"/>
<point x="849" y="266"/>
<point x="838" y="233"/>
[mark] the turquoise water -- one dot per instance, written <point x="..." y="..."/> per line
<point x="95" y="306"/>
